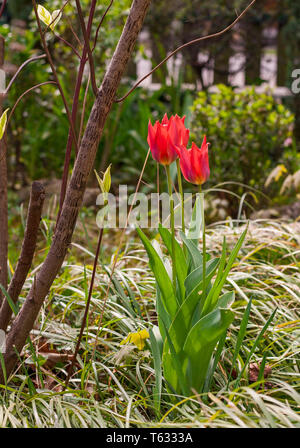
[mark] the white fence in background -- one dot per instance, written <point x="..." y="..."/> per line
<point x="268" y="68"/>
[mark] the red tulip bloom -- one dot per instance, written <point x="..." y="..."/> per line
<point x="165" y="137"/>
<point x="194" y="163"/>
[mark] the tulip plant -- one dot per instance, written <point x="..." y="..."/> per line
<point x="193" y="310"/>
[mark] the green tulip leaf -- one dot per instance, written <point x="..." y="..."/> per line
<point x="162" y="278"/>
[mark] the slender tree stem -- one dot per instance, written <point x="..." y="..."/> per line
<point x="24" y="94"/>
<point x="181" y="194"/>
<point x="203" y="242"/>
<point x="35" y="58"/>
<point x="100" y="24"/>
<point x="3" y="193"/>
<point x="86" y="36"/>
<point x="172" y="226"/>
<point x="87" y="306"/>
<point x="74" y="112"/>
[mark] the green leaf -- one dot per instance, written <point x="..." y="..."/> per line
<point x="107" y="180"/>
<point x="241" y="335"/>
<point x="47" y="18"/>
<point x="173" y="366"/>
<point x="194" y="280"/>
<point x="226" y="300"/>
<point x="3" y="121"/>
<point x="104" y="183"/>
<point x="181" y="266"/>
<point x="164" y="320"/>
<point x="13" y="306"/>
<point x="213" y="365"/>
<point x="195" y="255"/>
<point x="127" y="301"/>
<point x="182" y="322"/>
<point x="196" y="224"/>
<point x="255" y="345"/>
<point x="200" y="344"/>
<point x="2" y="362"/>
<point x="155" y="342"/>
<point x="55" y="18"/>
<point x="44" y="15"/>
<point x="163" y="280"/>
<point x="214" y="293"/>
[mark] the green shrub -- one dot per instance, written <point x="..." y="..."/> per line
<point x="248" y="132"/>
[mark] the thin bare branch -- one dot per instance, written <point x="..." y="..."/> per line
<point x="83" y="108"/>
<point x="87" y="307"/>
<point x="187" y="44"/>
<point x="88" y="48"/>
<point x="74" y="111"/>
<point x="35" y="58"/>
<point x="100" y="24"/>
<point x="3" y="192"/>
<point x="68" y="44"/>
<point x="25" y="93"/>
<point x="74" y="33"/>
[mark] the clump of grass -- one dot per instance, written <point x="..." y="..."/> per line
<point x="113" y="385"/>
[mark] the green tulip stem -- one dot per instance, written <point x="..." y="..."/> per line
<point x="158" y="189"/>
<point x="181" y="194"/>
<point x="203" y="242"/>
<point x="172" y="226"/>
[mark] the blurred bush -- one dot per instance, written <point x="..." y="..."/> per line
<point x="250" y="134"/>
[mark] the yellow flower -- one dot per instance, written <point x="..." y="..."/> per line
<point x="137" y="339"/>
<point x="275" y="174"/>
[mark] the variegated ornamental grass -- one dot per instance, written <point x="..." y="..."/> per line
<point x="118" y="388"/>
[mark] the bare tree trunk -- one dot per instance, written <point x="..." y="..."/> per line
<point x="84" y="163"/>
<point x="3" y="193"/>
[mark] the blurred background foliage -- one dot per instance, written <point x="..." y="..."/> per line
<point x="250" y="133"/>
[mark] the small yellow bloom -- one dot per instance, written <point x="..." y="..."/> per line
<point x="275" y="174"/>
<point x="137" y="339"/>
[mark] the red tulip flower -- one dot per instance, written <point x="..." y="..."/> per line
<point x="165" y="137"/>
<point x="194" y="162"/>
